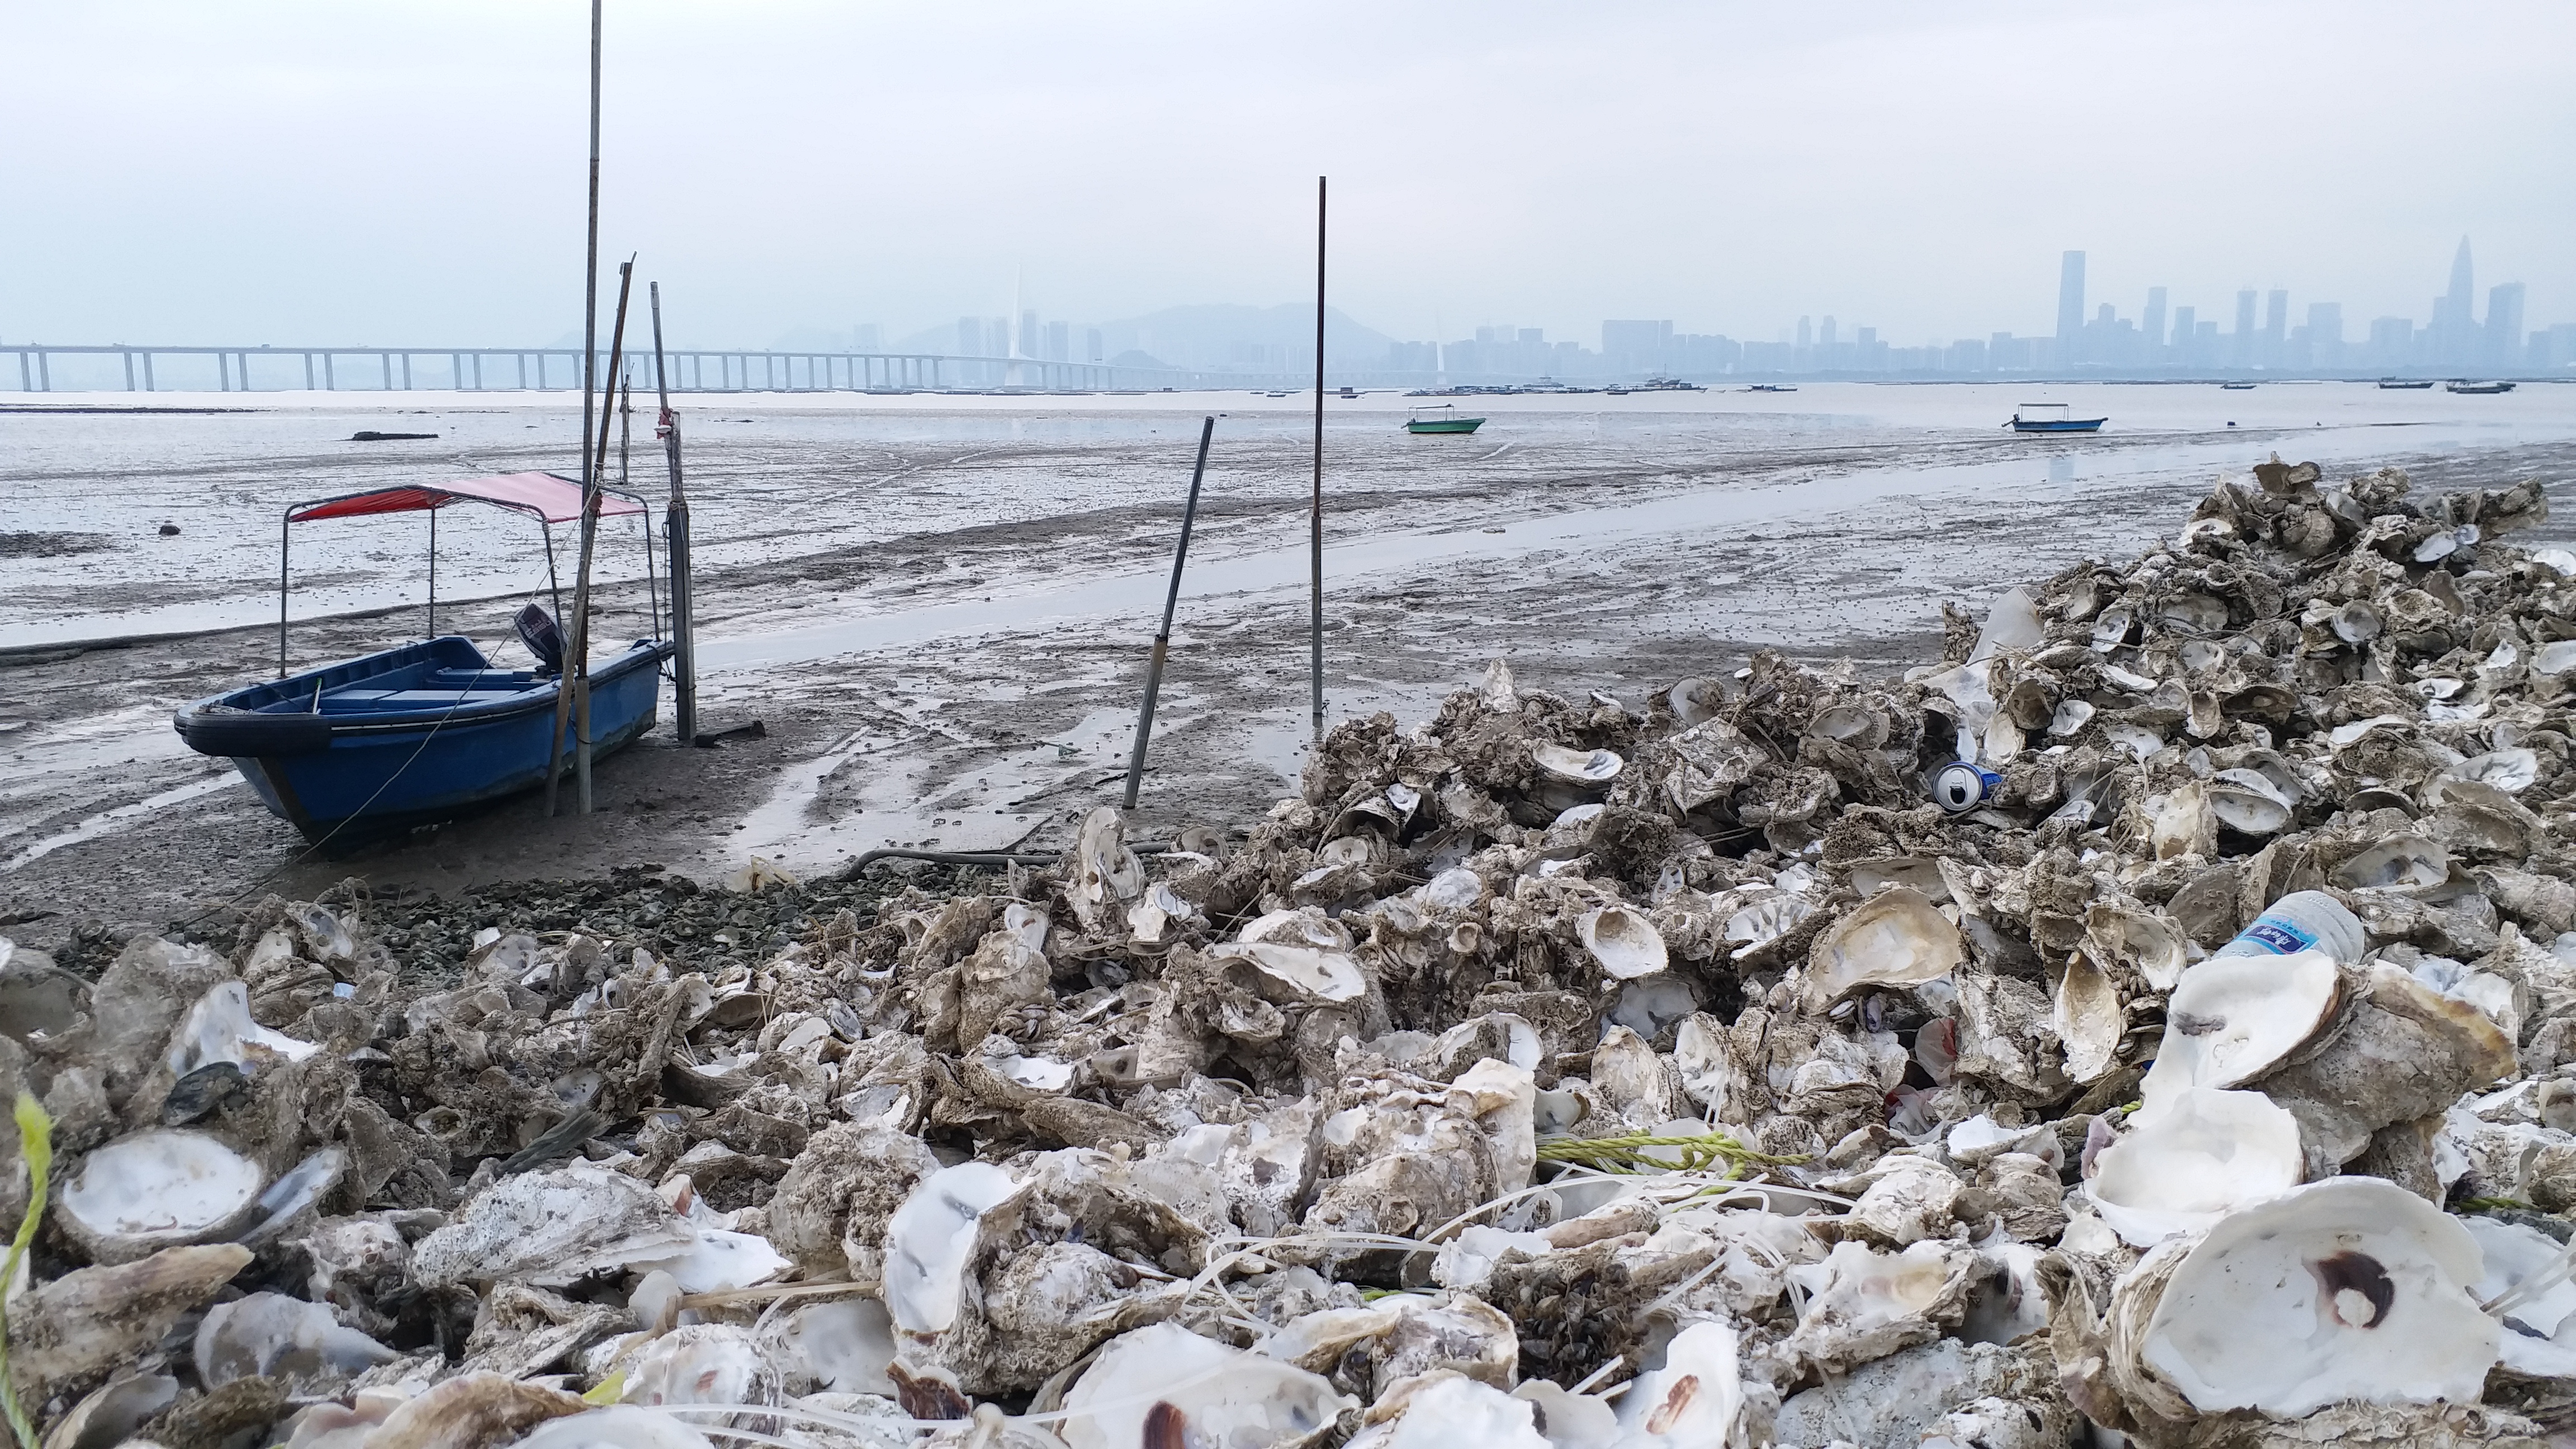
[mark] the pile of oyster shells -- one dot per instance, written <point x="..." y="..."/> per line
<point x="1554" y="1073"/>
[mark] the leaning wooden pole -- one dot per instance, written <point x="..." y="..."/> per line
<point x="1317" y="623"/>
<point x="597" y="475"/>
<point x="589" y="359"/>
<point x="675" y="536"/>
<point x="1163" y="637"/>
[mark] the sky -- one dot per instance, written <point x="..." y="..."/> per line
<point x="410" y="172"/>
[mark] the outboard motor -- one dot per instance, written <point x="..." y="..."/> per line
<point x="538" y="630"/>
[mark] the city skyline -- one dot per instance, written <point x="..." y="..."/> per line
<point x="2262" y="332"/>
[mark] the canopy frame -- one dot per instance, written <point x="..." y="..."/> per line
<point x="613" y="503"/>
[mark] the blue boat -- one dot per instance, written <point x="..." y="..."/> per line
<point x="424" y="732"/>
<point x="2052" y="418"/>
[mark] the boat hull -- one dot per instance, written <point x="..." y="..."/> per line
<point x="362" y="768"/>
<point x="1445" y="425"/>
<point x="2063" y="425"/>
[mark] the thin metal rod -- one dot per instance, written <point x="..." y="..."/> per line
<point x="589" y="360"/>
<point x="554" y="586"/>
<point x="1163" y="636"/>
<point x="1317" y="672"/>
<point x="433" y="573"/>
<point x="285" y="531"/>
<point x="675" y="537"/>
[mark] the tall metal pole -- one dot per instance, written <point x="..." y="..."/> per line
<point x="675" y="535"/>
<point x="589" y="350"/>
<point x="1318" y="520"/>
<point x="1163" y="637"/>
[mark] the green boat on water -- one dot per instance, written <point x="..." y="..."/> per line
<point x="1443" y="419"/>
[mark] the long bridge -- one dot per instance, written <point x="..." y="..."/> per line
<point x="44" y="367"/>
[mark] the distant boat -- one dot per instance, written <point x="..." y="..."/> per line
<point x="1453" y="423"/>
<point x="2479" y="389"/>
<point x="2237" y="386"/>
<point x="2399" y="384"/>
<point x="1667" y="384"/>
<point x="2048" y="417"/>
<point x="1771" y="387"/>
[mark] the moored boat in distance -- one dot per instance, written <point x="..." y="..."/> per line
<point x="1772" y="387"/>
<point x="2402" y="384"/>
<point x="2051" y="417"/>
<point x="2236" y="387"/>
<point x="2478" y="389"/>
<point x="1452" y="423"/>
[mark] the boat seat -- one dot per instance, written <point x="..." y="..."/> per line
<point x="439" y="698"/>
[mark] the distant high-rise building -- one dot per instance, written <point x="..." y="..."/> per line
<point x="2392" y="341"/>
<point x="1825" y="333"/>
<point x="2504" y="324"/>
<point x="970" y="336"/>
<point x="1059" y="342"/>
<point x="2151" y="323"/>
<point x="1634" y="346"/>
<point x="2325" y="334"/>
<point x="2455" y="325"/>
<point x="1028" y="338"/>
<point x="2245" y="328"/>
<point x="2070" y="309"/>
<point x="2182" y="333"/>
<point x="997" y="337"/>
<point x="1533" y="337"/>
<point x="1092" y="348"/>
<point x="1806" y="334"/>
<point x="2276" y="328"/>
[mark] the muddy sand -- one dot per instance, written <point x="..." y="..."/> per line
<point x="960" y="669"/>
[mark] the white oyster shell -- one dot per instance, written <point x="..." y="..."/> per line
<point x="1625" y="943"/>
<point x="1895" y="938"/>
<point x="1217" y="1395"/>
<point x="2233" y="1018"/>
<point x="2201" y="1155"/>
<point x="156" y="1190"/>
<point x="929" y="1239"/>
<point x="2348" y="1289"/>
<point x="1577" y="767"/>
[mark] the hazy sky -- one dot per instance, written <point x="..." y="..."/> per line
<point x="411" y="173"/>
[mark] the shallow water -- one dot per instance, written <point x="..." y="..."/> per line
<point x="779" y="476"/>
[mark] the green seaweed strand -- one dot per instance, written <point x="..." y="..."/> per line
<point x="36" y="1144"/>
<point x="1628" y="1153"/>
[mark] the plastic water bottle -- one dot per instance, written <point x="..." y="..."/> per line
<point x="2302" y="921"/>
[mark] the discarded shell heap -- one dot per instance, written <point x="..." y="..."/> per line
<point x="2162" y="1013"/>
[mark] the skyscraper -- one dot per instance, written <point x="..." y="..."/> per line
<point x="2245" y="328"/>
<point x="2325" y="334"/>
<point x="2455" y="324"/>
<point x="2276" y="327"/>
<point x="2183" y="356"/>
<point x="2151" y="323"/>
<point x="2070" y="310"/>
<point x="1825" y="333"/>
<point x="970" y="336"/>
<point x="2504" y="325"/>
<point x="1028" y="339"/>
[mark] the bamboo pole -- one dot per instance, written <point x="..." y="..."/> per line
<point x="589" y="360"/>
<point x="1317" y="629"/>
<point x="1163" y="637"/>
<point x="597" y="474"/>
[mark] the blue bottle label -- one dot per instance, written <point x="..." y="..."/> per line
<point x="2277" y="936"/>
